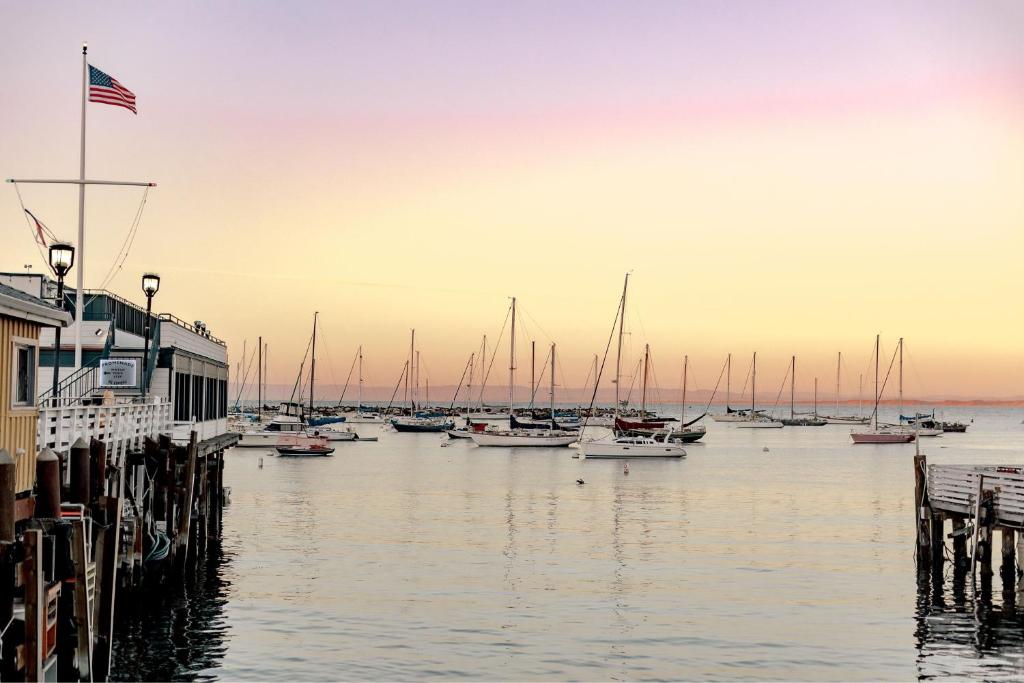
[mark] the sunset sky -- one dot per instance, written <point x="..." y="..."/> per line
<point x="785" y="177"/>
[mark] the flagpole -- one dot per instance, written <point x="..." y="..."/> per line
<point x="79" y="293"/>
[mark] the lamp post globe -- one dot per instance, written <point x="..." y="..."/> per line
<point x="150" y="284"/>
<point x="62" y="257"/>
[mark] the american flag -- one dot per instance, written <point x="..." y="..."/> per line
<point x="105" y="89"/>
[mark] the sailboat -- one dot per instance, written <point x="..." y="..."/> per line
<point x="653" y="426"/>
<point x="518" y="436"/>
<point x="363" y="415"/>
<point x="838" y="419"/>
<point x="884" y="434"/>
<point x="623" y="446"/>
<point x="730" y="415"/>
<point x="804" y="420"/>
<point x="418" y="421"/>
<point x="756" y="420"/>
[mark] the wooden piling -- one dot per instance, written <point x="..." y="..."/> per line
<point x="35" y="608"/>
<point x="83" y="615"/>
<point x="106" y="585"/>
<point x="80" y="488"/>
<point x="98" y="463"/>
<point x="48" y="485"/>
<point x="7" y="477"/>
<point x="959" y="535"/>
<point x="185" y="522"/>
<point x="938" y="542"/>
<point x="1008" y="568"/>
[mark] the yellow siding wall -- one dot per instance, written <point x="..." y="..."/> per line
<point x="17" y="427"/>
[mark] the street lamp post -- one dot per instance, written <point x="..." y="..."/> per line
<point x="62" y="257"/>
<point x="150" y="286"/>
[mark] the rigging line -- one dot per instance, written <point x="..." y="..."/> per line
<point x="494" y="354"/>
<point x="654" y="377"/>
<point x="632" y="383"/>
<point x="405" y="367"/>
<point x="539" y="327"/>
<point x="586" y="383"/>
<point x="597" y="380"/>
<point x="878" y="399"/>
<point x="299" y="376"/>
<point x="719" y="382"/>
<point x="536" y="386"/>
<point x="347" y="379"/>
<point x="35" y="241"/>
<point x="781" y="388"/>
<point x="245" y="377"/>
<point x="465" y="369"/>
<point x="747" y="379"/>
<point x="126" y="246"/>
<point x="327" y="352"/>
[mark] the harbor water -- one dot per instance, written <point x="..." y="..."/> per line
<point x="764" y="554"/>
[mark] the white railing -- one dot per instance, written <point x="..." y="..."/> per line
<point x="123" y="427"/>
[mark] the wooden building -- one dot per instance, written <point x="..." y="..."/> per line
<point x="21" y="318"/>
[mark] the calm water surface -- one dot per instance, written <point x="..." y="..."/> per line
<point x="403" y="560"/>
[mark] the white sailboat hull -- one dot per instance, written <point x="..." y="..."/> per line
<point x="759" y="424"/>
<point x="729" y="417"/>
<point x="519" y="440"/>
<point x="848" y="420"/>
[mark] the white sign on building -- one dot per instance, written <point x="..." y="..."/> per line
<point x="119" y="373"/>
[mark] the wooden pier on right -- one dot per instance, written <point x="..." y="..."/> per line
<point x="967" y="505"/>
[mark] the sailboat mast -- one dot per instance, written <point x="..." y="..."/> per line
<point x="753" y="386"/>
<point x="643" y="391"/>
<point x="728" y="380"/>
<point x="359" y="402"/>
<point x="901" y="380"/>
<point x="815" y="398"/>
<point x="259" y="381"/>
<point x="266" y="365"/>
<point x="533" y="370"/>
<point x="552" y="384"/>
<point x="839" y="362"/>
<point x="469" y="386"/>
<point x="792" y="390"/>
<point x="618" y="353"/>
<point x="312" y="364"/>
<point x="484" y="371"/>
<point x="874" y="415"/>
<point x="512" y="364"/>
<point x="408" y="370"/>
<point x="416" y="388"/>
<point x="860" y="395"/>
<point x="682" y="412"/>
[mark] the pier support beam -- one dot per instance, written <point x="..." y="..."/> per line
<point x="959" y="534"/>
<point x="1008" y="568"/>
<point x="922" y="513"/>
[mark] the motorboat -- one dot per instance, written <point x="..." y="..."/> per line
<point x="285" y="423"/>
<point x="304" y="446"/>
<point x="631" y="447"/>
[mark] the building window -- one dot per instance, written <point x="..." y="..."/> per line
<point x="23" y="391"/>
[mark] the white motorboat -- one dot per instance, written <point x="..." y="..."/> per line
<point x="282" y="424"/>
<point x="332" y="434"/>
<point x="631" y="447"/>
